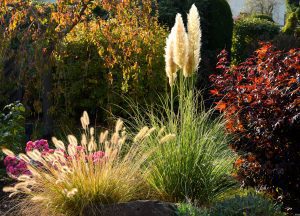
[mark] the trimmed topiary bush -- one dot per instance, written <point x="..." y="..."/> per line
<point x="247" y="33"/>
<point x="263" y="16"/>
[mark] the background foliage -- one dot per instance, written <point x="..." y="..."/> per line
<point x="248" y="32"/>
<point x="12" y="127"/>
<point x="292" y="17"/>
<point x="110" y="51"/>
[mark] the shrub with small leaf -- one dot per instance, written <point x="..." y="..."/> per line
<point x="260" y="99"/>
<point x="12" y="127"/>
<point x="250" y="205"/>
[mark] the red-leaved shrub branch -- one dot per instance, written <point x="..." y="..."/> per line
<point x="260" y="99"/>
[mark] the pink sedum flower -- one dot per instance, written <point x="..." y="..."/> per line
<point x="97" y="156"/>
<point x="41" y="145"/>
<point x="16" y="166"/>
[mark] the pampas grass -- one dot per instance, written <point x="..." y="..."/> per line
<point x="70" y="179"/>
<point x="180" y="42"/>
<point x="171" y="67"/>
<point x="197" y="163"/>
<point x="194" y="38"/>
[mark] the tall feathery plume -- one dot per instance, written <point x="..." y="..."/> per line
<point x="194" y="38"/>
<point x="181" y="43"/>
<point x="171" y="67"/>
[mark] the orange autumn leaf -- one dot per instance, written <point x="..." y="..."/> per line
<point x="221" y="106"/>
<point x="251" y="158"/>
<point x="239" y="162"/>
<point x="214" y="92"/>
<point x="292" y="80"/>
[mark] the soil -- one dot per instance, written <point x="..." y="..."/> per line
<point x="5" y="202"/>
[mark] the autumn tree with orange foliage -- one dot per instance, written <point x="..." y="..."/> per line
<point x="117" y="44"/>
<point x="41" y="27"/>
<point x="261" y="99"/>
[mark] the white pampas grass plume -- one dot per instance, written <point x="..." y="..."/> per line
<point x="83" y="140"/>
<point x="8" y="152"/>
<point x="119" y="125"/>
<point x="122" y="140"/>
<point x="58" y="144"/>
<point x="23" y="178"/>
<point x="92" y="131"/>
<point x="103" y="137"/>
<point x="13" y="194"/>
<point x="161" y="131"/>
<point x="38" y="198"/>
<point x="115" y="138"/>
<point x="150" y="131"/>
<point x="59" y="155"/>
<point x="86" y="118"/>
<point x="180" y="42"/>
<point x="83" y="123"/>
<point x="24" y="157"/>
<point x="72" y="150"/>
<point x="72" y="140"/>
<point x="194" y="42"/>
<point x="171" y="67"/>
<point x="141" y="134"/>
<point x="92" y="146"/>
<point x="72" y="192"/>
<point x="22" y="187"/>
<point x="167" y="138"/>
<point x="35" y="155"/>
<point x="123" y="132"/>
<point x="33" y="171"/>
<point x="9" y="189"/>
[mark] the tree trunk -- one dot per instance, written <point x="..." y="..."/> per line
<point x="47" y="101"/>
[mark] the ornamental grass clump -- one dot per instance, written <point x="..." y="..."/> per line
<point x="73" y="178"/>
<point x="197" y="163"/>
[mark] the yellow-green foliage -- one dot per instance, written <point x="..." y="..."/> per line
<point x="291" y="24"/>
<point x="96" y="64"/>
<point x="103" y="60"/>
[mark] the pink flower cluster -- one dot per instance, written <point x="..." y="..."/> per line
<point x="16" y="166"/>
<point x="97" y="156"/>
<point x="40" y="145"/>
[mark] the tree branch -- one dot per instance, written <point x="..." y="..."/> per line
<point x="77" y="19"/>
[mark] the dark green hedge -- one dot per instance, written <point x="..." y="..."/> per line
<point x="247" y="33"/>
<point x="263" y="16"/>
